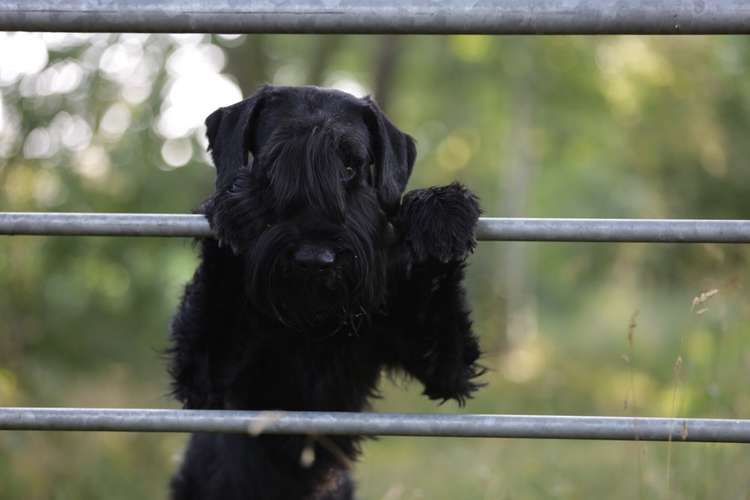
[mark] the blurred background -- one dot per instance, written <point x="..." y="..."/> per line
<point x="537" y="126"/>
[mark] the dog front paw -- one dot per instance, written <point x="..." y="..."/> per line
<point x="439" y="222"/>
<point x="458" y="384"/>
<point x="452" y="374"/>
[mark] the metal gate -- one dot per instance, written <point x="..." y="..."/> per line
<point x="389" y="16"/>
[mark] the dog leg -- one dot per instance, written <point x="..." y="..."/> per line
<point x="241" y="467"/>
<point x="202" y="315"/>
<point x="438" y="345"/>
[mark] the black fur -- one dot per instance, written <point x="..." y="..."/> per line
<point x="302" y="299"/>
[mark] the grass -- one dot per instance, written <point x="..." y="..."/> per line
<point x="612" y="363"/>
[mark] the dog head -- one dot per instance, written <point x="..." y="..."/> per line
<point x="306" y="180"/>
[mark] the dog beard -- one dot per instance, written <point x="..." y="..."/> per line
<point x="324" y="301"/>
<point x="307" y="301"/>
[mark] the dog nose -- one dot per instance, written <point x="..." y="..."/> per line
<point x="314" y="257"/>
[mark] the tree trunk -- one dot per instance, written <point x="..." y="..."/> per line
<point x="249" y="64"/>
<point x="520" y="317"/>
<point x="325" y="51"/>
<point x="388" y="53"/>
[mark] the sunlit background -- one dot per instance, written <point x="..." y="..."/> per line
<point x="545" y="127"/>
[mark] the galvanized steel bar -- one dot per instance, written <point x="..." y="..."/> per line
<point x="383" y="424"/>
<point x="379" y="16"/>
<point x="616" y="230"/>
<point x="489" y="229"/>
<point x="103" y="224"/>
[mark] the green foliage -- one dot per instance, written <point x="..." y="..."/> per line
<point x="545" y="126"/>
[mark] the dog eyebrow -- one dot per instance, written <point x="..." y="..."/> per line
<point x="353" y="146"/>
<point x="299" y="165"/>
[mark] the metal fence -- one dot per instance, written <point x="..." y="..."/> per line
<point x="274" y="422"/>
<point x="386" y="16"/>
<point x="489" y="228"/>
<point x="382" y="424"/>
<point x="383" y="16"/>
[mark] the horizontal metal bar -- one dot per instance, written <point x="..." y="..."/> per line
<point x="615" y="230"/>
<point x="382" y="16"/>
<point x="103" y="224"/>
<point x="383" y="424"/>
<point x="489" y="228"/>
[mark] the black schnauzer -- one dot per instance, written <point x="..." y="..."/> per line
<point x="318" y="279"/>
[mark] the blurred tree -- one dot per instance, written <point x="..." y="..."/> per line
<point x="386" y="60"/>
<point x="545" y="126"/>
<point x="248" y="62"/>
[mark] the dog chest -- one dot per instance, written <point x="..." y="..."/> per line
<point x="333" y="375"/>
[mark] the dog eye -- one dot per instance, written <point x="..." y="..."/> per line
<point x="348" y="174"/>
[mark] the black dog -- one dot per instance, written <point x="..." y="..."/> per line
<point x="318" y="279"/>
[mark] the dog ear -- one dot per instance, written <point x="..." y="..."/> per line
<point x="228" y="131"/>
<point x="395" y="153"/>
